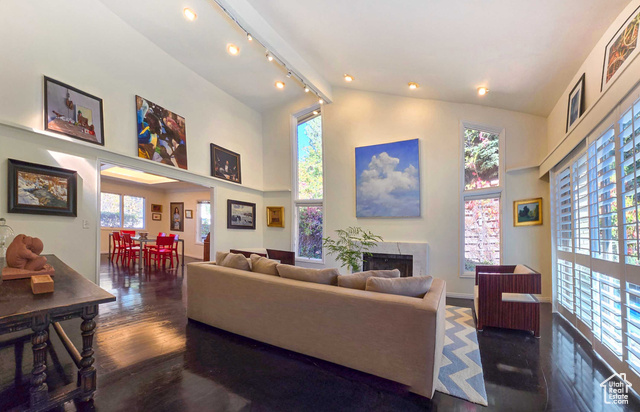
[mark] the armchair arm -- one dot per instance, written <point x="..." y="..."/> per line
<point x="494" y="269"/>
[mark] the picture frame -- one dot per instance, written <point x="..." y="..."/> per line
<point x="188" y="214"/>
<point x="176" y="216"/>
<point x="275" y="216"/>
<point x="621" y="49"/>
<point x="225" y="164"/>
<point x="42" y="190"/>
<point x="241" y="215"/>
<point x="162" y="134"/>
<point x="71" y="112"/>
<point x="156" y="208"/>
<point x="156" y="216"/>
<point x="575" y="105"/>
<point x="527" y="212"/>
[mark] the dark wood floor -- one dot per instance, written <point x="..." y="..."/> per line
<point x="150" y="358"/>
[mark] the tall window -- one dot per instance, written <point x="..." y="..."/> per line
<point x="203" y="215"/>
<point x="308" y="187"/>
<point x="481" y="197"/>
<point x="122" y="211"/>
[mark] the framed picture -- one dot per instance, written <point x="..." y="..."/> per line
<point x="156" y="208"/>
<point x="225" y="164"/>
<point x="575" y="106"/>
<point x="42" y="190"/>
<point x="527" y="212"/>
<point x="176" y="210"/>
<point x="162" y="135"/>
<point x="241" y="215"/>
<point x="622" y="48"/>
<point x="275" y="216"/>
<point x="156" y="216"/>
<point x="72" y="112"/>
<point x="388" y="180"/>
<point x="188" y="214"/>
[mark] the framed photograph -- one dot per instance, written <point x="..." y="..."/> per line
<point x="575" y="106"/>
<point x="156" y="216"/>
<point x="622" y="48"/>
<point x="162" y="135"/>
<point x="177" y="216"/>
<point x="72" y="112"/>
<point x="379" y="169"/>
<point x="188" y="214"/>
<point x="225" y="164"/>
<point x="156" y="208"/>
<point x="527" y="212"/>
<point x="42" y="190"/>
<point x="241" y="215"/>
<point x="275" y="216"/>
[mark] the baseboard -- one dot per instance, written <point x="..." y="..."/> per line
<point x="460" y="295"/>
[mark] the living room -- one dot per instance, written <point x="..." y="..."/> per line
<point x="223" y="95"/>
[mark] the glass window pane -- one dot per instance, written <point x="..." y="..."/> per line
<point x="481" y="233"/>
<point x="310" y="232"/>
<point x="481" y="159"/>
<point x="204" y="220"/>
<point x="310" y="185"/>
<point x="110" y="210"/>
<point x="133" y="212"/>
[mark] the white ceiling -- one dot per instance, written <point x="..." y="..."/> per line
<point x="525" y="51"/>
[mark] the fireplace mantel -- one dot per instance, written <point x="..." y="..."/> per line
<point x="419" y="251"/>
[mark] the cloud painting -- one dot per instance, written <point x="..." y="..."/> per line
<point x="388" y="180"/>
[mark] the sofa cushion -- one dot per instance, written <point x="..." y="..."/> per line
<point x="323" y="276"/>
<point x="220" y="257"/>
<point x="235" y="261"/>
<point x="359" y="280"/>
<point x="415" y="287"/>
<point x="261" y="264"/>
<point x="521" y="270"/>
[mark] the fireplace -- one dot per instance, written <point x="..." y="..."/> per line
<point x="387" y="261"/>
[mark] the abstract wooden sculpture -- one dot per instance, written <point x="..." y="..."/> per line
<point x="23" y="259"/>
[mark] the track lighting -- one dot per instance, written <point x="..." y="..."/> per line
<point x="269" y="56"/>
<point x="249" y="36"/>
<point x="306" y="88"/>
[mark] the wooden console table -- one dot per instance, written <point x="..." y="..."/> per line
<point x="74" y="296"/>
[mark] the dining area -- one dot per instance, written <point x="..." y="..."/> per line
<point x="127" y="247"/>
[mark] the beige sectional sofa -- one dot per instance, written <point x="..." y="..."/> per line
<point x="395" y="337"/>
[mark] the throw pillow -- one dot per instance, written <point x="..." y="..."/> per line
<point x="236" y="261"/>
<point x="415" y="287"/>
<point x="359" y="280"/>
<point x="323" y="276"/>
<point x="220" y="257"/>
<point x="261" y="264"/>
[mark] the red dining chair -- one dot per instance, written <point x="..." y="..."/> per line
<point x="163" y="249"/>
<point x="118" y="248"/>
<point x="175" y="247"/>
<point x="129" y="232"/>
<point x="130" y="250"/>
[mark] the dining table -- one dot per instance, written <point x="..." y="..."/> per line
<point x="143" y="242"/>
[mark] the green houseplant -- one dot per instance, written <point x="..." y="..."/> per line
<point x="350" y="246"/>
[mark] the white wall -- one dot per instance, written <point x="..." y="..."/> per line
<point x="190" y="200"/>
<point x="39" y="40"/>
<point x="361" y="118"/>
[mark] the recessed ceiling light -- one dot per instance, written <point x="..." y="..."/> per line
<point x="413" y="85"/>
<point x="189" y="14"/>
<point x="279" y="84"/>
<point x="233" y="50"/>
<point x="315" y="112"/>
<point x="482" y="91"/>
<point x="348" y="78"/>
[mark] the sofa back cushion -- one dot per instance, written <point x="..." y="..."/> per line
<point x="359" y="280"/>
<point x="416" y="286"/>
<point x="322" y="276"/>
<point x="234" y="261"/>
<point x="263" y="265"/>
<point x="220" y="257"/>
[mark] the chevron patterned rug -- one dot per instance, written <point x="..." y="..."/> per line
<point x="461" y="370"/>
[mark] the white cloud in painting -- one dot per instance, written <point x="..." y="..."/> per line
<point x="385" y="191"/>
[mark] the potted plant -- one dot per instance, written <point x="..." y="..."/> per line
<point x="350" y="246"/>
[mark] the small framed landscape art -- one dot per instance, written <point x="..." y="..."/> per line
<point x="241" y="215"/>
<point x="527" y="212"/>
<point x="275" y="216"/>
<point x="622" y="48"/>
<point x="72" y="112"/>
<point x="188" y="214"/>
<point x="42" y="190"/>
<point x="156" y="216"/>
<point x="156" y="208"/>
<point x="177" y="216"/>
<point x="575" y="106"/>
<point x="162" y="135"/>
<point x="225" y="164"/>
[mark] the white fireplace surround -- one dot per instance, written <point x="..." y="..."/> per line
<point x="419" y="251"/>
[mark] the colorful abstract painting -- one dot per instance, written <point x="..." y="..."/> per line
<point x="388" y="180"/>
<point x="161" y="134"/>
<point x="621" y="48"/>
